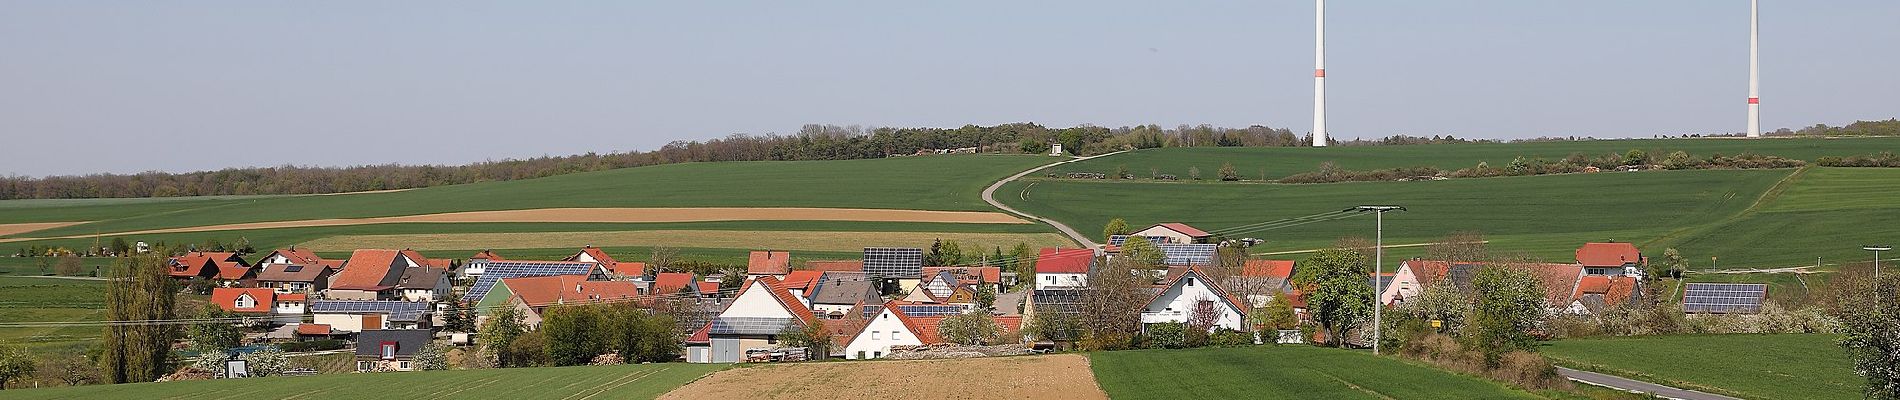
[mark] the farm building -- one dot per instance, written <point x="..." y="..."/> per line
<point x="389" y="349"/>
<point x="758" y="313"/>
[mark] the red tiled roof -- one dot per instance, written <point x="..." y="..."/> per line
<point x="768" y="263"/>
<point x="628" y="268"/>
<point x="442" y="264"/>
<point x="1184" y="229"/>
<point x="708" y="287"/>
<point x="232" y="270"/>
<point x="313" y="329"/>
<point x="1615" y="290"/>
<point x="836" y="265"/>
<point x="296" y="255"/>
<point x="1221" y="291"/>
<point x="1559" y="280"/>
<point x="926" y="329"/>
<point x="261" y="299"/>
<point x="486" y="255"/>
<point x="1010" y="323"/>
<point x="369" y="269"/>
<point x="596" y="253"/>
<point x="537" y="291"/>
<point x="297" y="297"/>
<point x="969" y="274"/>
<point x="1608" y="255"/>
<point x="1064" y="261"/>
<point x="671" y="282"/>
<point x="1281" y="269"/>
<point x="802" y="280"/>
<point x="703" y="335"/>
<point x="193" y="263"/>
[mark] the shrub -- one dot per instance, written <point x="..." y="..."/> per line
<point x="1528" y="370"/>
<point x="1228" y="338"/>
<point x="1167" y="335"/>
<point x="314" y="345"/>
<point x="266" y="362"/>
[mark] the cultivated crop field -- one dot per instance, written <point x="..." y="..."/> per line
<point x="604" y="382"/>
<point x="1748" y="366"/>
<point x="777" y="240"/>
<point x="1281" y="372"/>
<point x="34" y="299"/>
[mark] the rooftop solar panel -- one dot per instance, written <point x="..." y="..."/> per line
<point x="498" y="270"/>
<point x="894" y="262"/>
<point x="749" y="325"/>
<point x="1188" y="254"/>
<point x="1118" y="240"/>
<point x="930" y="310"/>
<point x="1723" y="298"/>
<point x="397" y="310"/>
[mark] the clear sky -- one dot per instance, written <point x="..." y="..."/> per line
<point x="128" y="86"/>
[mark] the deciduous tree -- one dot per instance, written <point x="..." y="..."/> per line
<point x="1509" y="303"/>
<point x="1338" y="297"/>
<point x="14" y="364"/>
<point x="1116" y="226"/>
<point x="140" y="290"/>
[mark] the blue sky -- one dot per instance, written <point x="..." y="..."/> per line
<point x="188" y="85"/>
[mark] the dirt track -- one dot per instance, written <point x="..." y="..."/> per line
<point x="1063" y="376"/>
<point x="779" y="240"/>
<point x="9" y="229"/>
<point x="615" y="215"/>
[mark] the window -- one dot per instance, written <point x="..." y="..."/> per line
<point x="874" y="335"/>
<point x="895" y="335"/>
<point x="877" y="354"/>
<point x="860" y="355"/>
<point x="245" y="301"/>
<point x="771" y="339"/>
<point x="362" y="366"/>
<point x="405" y="365"/>
<point x="1190" y="281"/>
<point x="389" y="350"/>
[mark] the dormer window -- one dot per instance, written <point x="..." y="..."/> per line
<point x="389" y="350"/>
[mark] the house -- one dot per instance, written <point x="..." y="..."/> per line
<point x="495" y="271"/>
<point x="800" y="283"/>
<point x="627" y="270"/>
<point x="390" y="349"/>
<point x="836" y="293"/>
<point x="677" y="284"/>
<point x="225" y="268"/>
<point x="1191" y="297"/>
<point x="306" y="332"/>
<point x="757" y="314"/>
<point x="890" y="327"/>
<point x="976" y="277"/>
<point x="478" y="263"/>
<point x="699" y="345"/>
<point x="1176" y="233"/>
<point x="292" y="255"/>
<point x="1261" y="279"/>
<point x="372" y="275"/>
<point x="248" y="301"/>
<point x="533" y="295"/>
<point x="1596" y="293"/>
<point x="290" y="307"/>
<point x="423" y="284"/>
<point x="1611" y="259"/>
<point x="361" y="315"/>
<point x="1559" y="282"/>
<point x="901" y="265"/>
<point x="1188" y="254"/>
<point x="768" y="263"/>
<point x="614" y="268"/>
<point x="307" y="278"/>
<point x="1056" y="267"/>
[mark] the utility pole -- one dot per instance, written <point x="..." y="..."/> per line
<point x="1876" y="248"/>
<point x="1378" y="266"/>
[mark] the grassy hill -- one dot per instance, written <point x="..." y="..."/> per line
<point x="1748" y="366"/>
<point x="1278" y="162"/>
<point x="1281" y="372"/>
<point x="605" y="382"/>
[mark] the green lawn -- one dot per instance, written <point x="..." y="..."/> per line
<point x="610" y="382"/>
<point x="951" y="183"/>
<point x="1280" y="372"/>
<point x="1749" y="366"/>
<point x="1278" y="162"/>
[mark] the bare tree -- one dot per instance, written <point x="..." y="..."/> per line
<point x="1112" y="307"/>
<point x="1459" y="246"/>
<point x="663" y="258"/>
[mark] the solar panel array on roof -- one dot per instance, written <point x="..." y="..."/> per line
<point x="1723" y="298"/>
<point x="1118" y="240"/>
<point x="894" y="262"/>
<point x="749" y="325"/>
<point x="397" y="310"/>
<point x="1058" y="301"/>
<point x="929" y="310"/>
<point x="1188" y="254"/>
<point x="498" y="270"/>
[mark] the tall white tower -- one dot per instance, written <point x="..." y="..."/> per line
<point x="1754" y="68"/>
<point x="1319" y="75"/>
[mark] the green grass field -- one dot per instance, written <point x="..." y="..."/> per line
<point x="1280" y="372"/>
<point x="606" y="382"/>
<point x="1748" y="366"/>
<point x="1278" y="162"/>
<point x="34" y="299"/>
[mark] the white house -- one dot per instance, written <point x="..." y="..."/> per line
<point x="761" y="309"/>
<point x="1063" y="268"/>
<point x="1175" y="232"/>
<point x="1188" y="292"/>
<point x="889" y="328"/>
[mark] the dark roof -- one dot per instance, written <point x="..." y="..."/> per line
<point x="369" y="343"/>
<point x="397" y="310"/>
<point x="292" y="272"/>
<point x="844" y="288"/>
<point x="420" y="278"/>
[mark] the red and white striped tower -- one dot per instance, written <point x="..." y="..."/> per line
<point x="1319" y="75"/>
<point x="1754" y="69"/>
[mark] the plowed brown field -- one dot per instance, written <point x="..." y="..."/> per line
<point x="1062" y="376"/>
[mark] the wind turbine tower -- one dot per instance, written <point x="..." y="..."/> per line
<point x="1754" y="68"/>
<point x="1319" y="75"/>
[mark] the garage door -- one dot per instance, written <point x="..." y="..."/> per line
<point x="725" y="350"/>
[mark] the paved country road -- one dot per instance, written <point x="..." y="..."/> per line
<point x="1626" y="384"/>
<point x="989" y="196"/>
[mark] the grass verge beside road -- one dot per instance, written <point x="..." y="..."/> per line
<point x="1748" y="366"/>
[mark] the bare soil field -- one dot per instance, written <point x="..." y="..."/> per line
<point x="1062" y="376"/>
<point x="607" y="215"/>
<point x="776" y="240"/>
<point x="9" y="229"/>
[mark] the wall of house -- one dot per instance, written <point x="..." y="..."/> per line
<point x="347" y="294"/>
<point x="876" y="339"/>
<point x="1046" y="280"/>
<point x="1177" y="304"/>
<point x="1404" y="284"/>
<point x="365" y="364"/>
<point x="1177" y="237"/>
<point x="341" y="322"/>
<point x="757" y="301"/>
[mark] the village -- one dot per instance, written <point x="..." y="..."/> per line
<point x="389" y="305"/>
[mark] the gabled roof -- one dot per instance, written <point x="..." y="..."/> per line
<point x="1064" y="261"/>
<point x="702" y="335"/>
<point x="396" y="310"/>
<point x="420" y="278"/>
<point x="839" y="288"/>
<point x="232" y="270"/>
<point x="437" y="263"/>
<point x="1219" y="290"/>
<point x="261" y="299"/>
<point x="708" y="288"/>
<point x="970" y="274"/>
<point x="802" y="280"/>
<point x="1278" y="269"/>
<point x="486" y="255"/>
<point x="596" y="253"/>
<point x="768" y="263"/>
<point x="631" y="268"/>
<point x="314" y="329"/>
<point x="785" y="299"/>
<point x="1182" y="228"/>
<point x="369" y="343"/>
<point x="836" y="265"/>
<point x="672" y="282"/>
<point x="296" y="297"/>
<point x="291" y="272"/>
<point x="1609" y="290"/>
<point x="1609" y="255"/>
<point x="538" y="291"/>
<point x="498" y="270"/>
<point x="193" y="263"/>
<point x="296" y="255"/>
<point x="370" y="269"/>
<point x="1559" y="281"/>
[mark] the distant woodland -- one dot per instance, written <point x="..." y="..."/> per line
<point x="813" y="142"/>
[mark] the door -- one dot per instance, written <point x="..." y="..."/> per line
<point x="372" y="321"/>
<point x="725" y="350"/>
